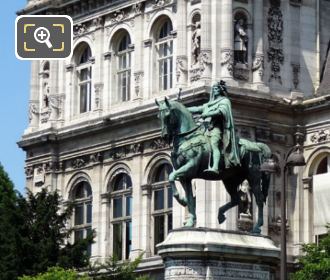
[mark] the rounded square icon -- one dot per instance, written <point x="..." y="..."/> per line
<point x="43" y="37"/>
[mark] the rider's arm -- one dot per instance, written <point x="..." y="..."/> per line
<point x="196" y="109"/>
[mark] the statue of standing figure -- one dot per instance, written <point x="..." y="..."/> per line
<point x="218" y="119"/>
<point x="196" y="42"/>
<point x="240" y="42"/>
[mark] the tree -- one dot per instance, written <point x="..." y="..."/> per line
<point x="57" y="273"/>
<point x="9" y="237"/>
<point x="315" y="264"/>
<point x="44" y="236"/>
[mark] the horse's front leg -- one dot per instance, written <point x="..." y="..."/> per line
<point x="187" y="200"/>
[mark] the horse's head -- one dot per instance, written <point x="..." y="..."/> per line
<point x="175" y="119"/>
<point x="167" y="119"/>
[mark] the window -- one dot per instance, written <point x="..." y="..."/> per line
<point x="321" y="195"/>
<point x="82" y="214"/>
<point x="162" y="203"/>
<point x="121" y="200"/>
<point x="164" y="48"/>
<point x="84" y="73"/>
<point x="124" y="69"/>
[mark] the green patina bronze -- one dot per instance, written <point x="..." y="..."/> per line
<point x="210" y="150"/>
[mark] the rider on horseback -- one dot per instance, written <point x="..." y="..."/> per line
<point x="220" y="127"/>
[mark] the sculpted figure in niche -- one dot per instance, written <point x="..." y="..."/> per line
<point x="196" y="42"/>
<point x="240" y="42"/>
<point x="45" y="97"/>
<point x="244" y="206"/>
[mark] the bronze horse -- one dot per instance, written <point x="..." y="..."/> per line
<point x="190" y="157"/>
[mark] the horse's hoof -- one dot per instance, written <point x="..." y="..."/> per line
<point x="221" y="218"/>
<point x="256" y="230"/>
<point x="189" y="223"/>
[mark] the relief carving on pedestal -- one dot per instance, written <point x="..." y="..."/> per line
<point x="275" y="40"/>
<point x="181" y="66"/>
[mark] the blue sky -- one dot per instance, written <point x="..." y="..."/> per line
<point x="14" y="91"/>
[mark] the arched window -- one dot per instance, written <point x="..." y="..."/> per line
<point x="321" y="195"/>
<point x="162" y="202"/>
<point x="82" y="212"/>
<point x="84" y="74"/>
<point x="164" y="49"/>
<point x="121" y="215"/>
<point x="124" y="68"/>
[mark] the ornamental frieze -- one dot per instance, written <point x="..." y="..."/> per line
<point x="320" y="136"/>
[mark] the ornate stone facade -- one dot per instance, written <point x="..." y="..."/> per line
<point x="272" y="94"/>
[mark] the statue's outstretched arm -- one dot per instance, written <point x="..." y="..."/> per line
<point x="196" y="109"/>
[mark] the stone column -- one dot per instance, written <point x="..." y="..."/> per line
<point x="145" y="207"/>
<point x="227" y="40"/>
<point x="34" y="103"/>
<point x="258" y="42"/>
<point x="308" y="209"/>
<point x="206" y="47"/>
<point x="181" y="45"/>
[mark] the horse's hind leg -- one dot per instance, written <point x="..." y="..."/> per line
<point x="255" y="184"/>
<point x="191" y="220"/>
<point x="231" y="186"/>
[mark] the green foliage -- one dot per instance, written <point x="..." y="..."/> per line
<point x="44" y="235"/>
<point x="56" y="273"/>
<point x="315" y="264"/>
<point x="9" y="221"/>
<point x="113" y="269"/>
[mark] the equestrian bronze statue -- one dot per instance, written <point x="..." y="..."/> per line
<point x="211" y="150"/>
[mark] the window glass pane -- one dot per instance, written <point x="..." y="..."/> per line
<point x="169" y="198"/>
<point x="323" y="166"/>
<point x="83" y="98"/>
<point x="79" y="215"/>
<point x="89" y="247"/>
<point x="159" y="232"/>
<point x="89" y="213"/>
<point x="159" y="199"/>
<point x="85" y="55"/>
<point x="118" y="207"/>
<point x="129" y="205"/>
<point x="169" y="222"/>
<point x="122" y="181"/>
<point x="128" y="243"/>
<point x="79" y="193"/>
<point x="117" y="240"/>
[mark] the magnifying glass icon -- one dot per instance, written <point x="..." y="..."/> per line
<point x="42" y="35"/>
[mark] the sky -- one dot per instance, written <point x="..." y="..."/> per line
<point x="14" y="79"/>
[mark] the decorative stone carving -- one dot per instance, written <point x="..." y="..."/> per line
<point x="227" y="60"/>
<point x="138" y="76"/>
<point x="118" y="153"/>
<point x="241" y="72"/>
<point x="161" y="3"/>
<point x="196" y="42"/>
<point x="95" y="158"/>
<point x="118" y="16"/>
<point x="258" y="64"/>
<point x="98" y="95"/>
<point x="97" y="22"/>
<point x="39" y="176"/>
<point x="295" y="74"/>
<point x="196" y="73"/>
<point x="33" y="111"/>
<point x="241" y="41"/>
<point x="137" y="8"/>
<point x="181" y="66"/>
<point x="80" y="29"/>
<point x="158" y="144"/>
<point x="320" y="136"/>
<point x="29" y="171"/>
<point x="275" y="40"/>
<point x="137" y="148"/>
<point x="78" y="163"/>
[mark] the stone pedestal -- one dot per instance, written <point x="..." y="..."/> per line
<point x="202" y="253"/>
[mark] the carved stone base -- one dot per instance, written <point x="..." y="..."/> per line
<point x="241" y="72"/>
<point x="245" y="222"/>
<point x="201" y="253"/>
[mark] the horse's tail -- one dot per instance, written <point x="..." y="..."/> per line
<point x="264" y="153"/>
<point x="265" y="176"/>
